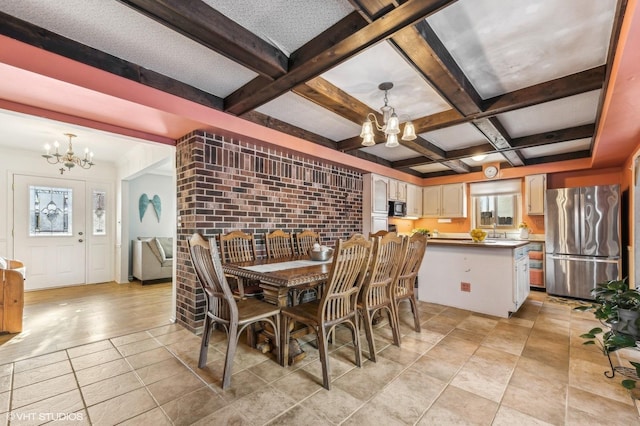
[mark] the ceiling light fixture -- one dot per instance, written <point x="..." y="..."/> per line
<point x="390" y="124"/>
<point x="479" y="157"/>
<point x="68" y="159"/>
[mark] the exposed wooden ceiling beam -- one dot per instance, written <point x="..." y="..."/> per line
<point x="559" y="157"/>
<point x="39" y="37"/>
<point x="205" y="25"/>
<point x="573" y="133"/>
<point x="274" y="123"/>
<point x="307" y="64"/>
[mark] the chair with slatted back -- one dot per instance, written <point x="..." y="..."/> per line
<point x="405" y="284"/>
<point x="376" y="295"/>
<point x="221" y="307"/>
<point x="305" y="241"/>
<point x="338" y="304"/>
<point x="279" y="244"/>
<point x="238" y="246"/>
<point x="380" y="233"/>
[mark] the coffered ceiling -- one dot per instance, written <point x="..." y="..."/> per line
<point x="520" y="80"/>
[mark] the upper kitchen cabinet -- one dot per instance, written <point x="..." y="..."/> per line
<point x="535" y="188"/>
<point x="444" y="200"/>
<point x="375" y="199"/>
<point x="397" y="190"/>
<point x="414" y="201"/>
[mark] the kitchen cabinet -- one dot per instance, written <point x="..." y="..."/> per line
<point x="375" y="206"/>
<point x="535" y="188"/>
<point x="536" y="264"/>
<point x="414" y="201"/>
<point x="444" y="200"/>
<point x="522" y="286"/>
<point x="397" y="190"/>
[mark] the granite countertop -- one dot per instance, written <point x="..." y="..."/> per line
<point x="468" y="242"/>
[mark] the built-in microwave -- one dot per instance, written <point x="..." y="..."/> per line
<point x="397" y="208"/>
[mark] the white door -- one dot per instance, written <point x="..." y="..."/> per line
<point x="49" y="230"/>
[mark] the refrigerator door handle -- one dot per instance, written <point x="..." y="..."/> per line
<point x="582" y="221"/>
<point x="584" y="259"/>
<point x="577" y="212"/>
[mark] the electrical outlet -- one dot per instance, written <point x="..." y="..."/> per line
<point x="465" y="287"/>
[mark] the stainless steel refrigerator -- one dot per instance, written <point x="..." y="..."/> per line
<point x="582" y="239"/>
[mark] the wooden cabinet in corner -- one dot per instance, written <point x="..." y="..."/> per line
<point x="444" y="200"/>
<point x="535" y="188"/>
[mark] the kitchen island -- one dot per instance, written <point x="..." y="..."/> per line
<point x="489" y="277"/>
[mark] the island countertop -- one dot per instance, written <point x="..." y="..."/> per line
<point x="468" y="242"/>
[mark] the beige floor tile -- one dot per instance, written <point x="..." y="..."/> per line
<point x="399" y="355"/>
<point x="45" y="410"/>
<point x="478" y="324"/>
<point x="440" y="324"/>
<point x="138" y="347"/>
<point x="177" y="336"/>
<point x="467" y="335"/>
<point x="4" y="419"/>
<point x="298" y="385"/>
<point x="509" y="417"/>
<point x="437" y="367"/>
<point x="269" y="371"/>
<point x="89" y="349"/>
<point x="96" y="358"/>
<point x="121" y="408"/>
<point x="513" y="344"/>
<point x="109" y="388"/>
<point x="174" y="386"/>
<point x="149" y="357"/>
<point x="300" y="416"/>
<point x="224" y="417"/>
<point x="158" y="331"/>
<point x="130" y="338"/>
<point x="5" y="383"/>
<point x="39" y="374"/>
<point x="42" y="390"/>
<point x="456" y="406"/>
<point x="593" y="403"/>
<point x="6" y="369"/>
<point x="40" y="361"/>
<point x="372" y="414"/>
<point x="333" y="406"/>
<point x="161" y="370"/>
<point x="407" y="397"/>
<point x="5" y="397"/>
<point x="263" y="405"/>
<point x="193" y="406"/>
<point x="453" y="350"/>
<point x="102" y="371"/>
<point x="155" y="417"/>
<point x="363" y="383"/>
<point x="588" y="376"/>
<point x="540" y="397"/>
<point x="487" y="373"/>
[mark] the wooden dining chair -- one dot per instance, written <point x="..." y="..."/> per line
<point x="376" y="295"/>
<point x="338" y="304"/>
<point x="238" y="246"/>
<point x="405" y="284"/>
<point x="305" y="241"/>
<point x="221" y="307"/>
<point x="380" y="233"/>
<point x="279" y="244"/>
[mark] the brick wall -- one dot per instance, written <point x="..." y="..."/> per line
<point x="226" y="184"/>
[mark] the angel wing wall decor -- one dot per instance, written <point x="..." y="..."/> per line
<point x="143" y="204"/>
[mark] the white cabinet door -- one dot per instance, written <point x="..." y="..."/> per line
<point x="454" y="200"/>
<point x="379" y="223"/>
<point x="392" y="192"/>
<point x="535" y="186"/>
<point x="522" y="281"/>
<point x="431" y="201"/>
<point x="380" y="189"/>
<point x="414" y="201"/>
<point x="401" y="191"/>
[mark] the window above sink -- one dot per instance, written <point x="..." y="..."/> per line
<point x="496" y="206"/>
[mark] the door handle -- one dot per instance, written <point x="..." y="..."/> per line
<point x="80" y="240"/>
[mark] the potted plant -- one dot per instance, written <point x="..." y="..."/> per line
<point x="423" y="231"/>
<point x="617" y="306"/>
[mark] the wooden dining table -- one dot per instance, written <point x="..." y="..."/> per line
<point x="284" y="281"/>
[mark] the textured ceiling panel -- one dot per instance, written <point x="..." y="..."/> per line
<point x="411" y="95"/>
<point x="560" y="114"/>
<point x="302" y="113"/>
<point x="284" y="23"/>
<point x="503" y="47"/>
<point x="557" y="148"/>
<point x="456" y="137"/>
<point x="396" y="153"/>
<point x="120" y="31"/>
<point x="431" y="168"/>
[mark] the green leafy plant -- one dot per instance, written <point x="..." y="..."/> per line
<point x="423" y="231"/>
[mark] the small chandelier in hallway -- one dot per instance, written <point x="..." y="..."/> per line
<point x="68" y="159"/>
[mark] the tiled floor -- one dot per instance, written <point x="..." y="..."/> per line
<point x="463" y="368"/>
